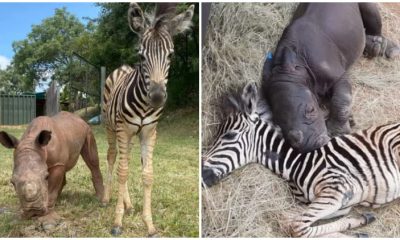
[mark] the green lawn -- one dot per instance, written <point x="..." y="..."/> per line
<point x="175" y="193"/>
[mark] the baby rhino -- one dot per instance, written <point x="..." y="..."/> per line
<point x="49" y="148"/>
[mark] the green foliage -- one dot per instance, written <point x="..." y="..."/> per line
<point x="47" y="51"/>
<point x="11" y="82"/>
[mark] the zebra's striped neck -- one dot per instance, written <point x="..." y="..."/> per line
<point x="136" y="108"/>
<point x="277" y="154"/>
<point x="139" y="91"/>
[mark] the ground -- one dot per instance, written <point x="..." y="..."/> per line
<point x="175" y="192"/>
<point x="252" y="201"/>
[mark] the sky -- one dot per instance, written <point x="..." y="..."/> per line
<point x="16" y="20"/>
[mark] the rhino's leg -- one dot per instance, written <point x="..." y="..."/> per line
<point x="55" y="181"/>
<point x="375" y="44"/>
<point x="371" y="18"/>
<point x="338" y="122"/>
<point x="55" y="184"/>
<point x="63" y="184"/>
<point x="91" y="158"/>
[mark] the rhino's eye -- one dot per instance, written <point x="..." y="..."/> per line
<point x="229" y="136"/>
<point x="46" y="177"/>
<point x="310" y="112"/>
<point x="12" y="182"/>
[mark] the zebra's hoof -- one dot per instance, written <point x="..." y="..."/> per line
<point x="362" y="235"/>
<point x="103" y="204"/>
<point x="152" y="233"/>
<point x="116" y="231"/>
<point x="369" y="217"/>
<point x="128" y="211"/>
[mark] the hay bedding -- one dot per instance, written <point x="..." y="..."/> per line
<point x="251" y="201"/>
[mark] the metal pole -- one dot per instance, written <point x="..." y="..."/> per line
<point x="86" y="95"/>
<point x="102" y="82"/>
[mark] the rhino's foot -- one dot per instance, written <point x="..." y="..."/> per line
<point x="49" y="221"/>
<point x="374" y="46"/>
<point x="337" y="129"/>
<point x="392" y="52"/>
<point x="99" y="196"/>
<point x="380" y="46"/>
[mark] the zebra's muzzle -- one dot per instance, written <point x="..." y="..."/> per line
<point x="209" y="177"/>
<point x="157" y="99"/>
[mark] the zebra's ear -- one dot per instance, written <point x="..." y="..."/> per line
<point x="250" y="97"/>
<point x="136" y="19"/>
<point x="181" y="22"/>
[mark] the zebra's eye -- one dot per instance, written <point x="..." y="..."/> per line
<point x="142" y="58"/>
<point x="229" y="135"/>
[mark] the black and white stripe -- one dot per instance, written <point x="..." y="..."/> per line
<point x="356" y="169"/>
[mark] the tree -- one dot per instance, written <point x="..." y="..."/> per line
<point x="47" y="51"/>
<point x="12" y="82"/>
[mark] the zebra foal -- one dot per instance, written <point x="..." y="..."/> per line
<point x="133" y="101"/>
<point x="355" y="169"/>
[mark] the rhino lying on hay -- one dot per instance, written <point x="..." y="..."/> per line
<point x="310" y="65"/>
<point x="48" y="149"/>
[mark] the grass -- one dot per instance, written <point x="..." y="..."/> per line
<point x="175" y="192"/>
<point x="252" y="201"/>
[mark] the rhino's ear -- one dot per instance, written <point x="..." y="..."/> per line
<point x="249" y="97"/>
<point x="43" y="138"/>
<point x="267" y="68"/>
<point x="7" y="140"/>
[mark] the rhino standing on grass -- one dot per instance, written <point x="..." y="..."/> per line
<point x="310" y="67"/>
<point x="48" y="149"/>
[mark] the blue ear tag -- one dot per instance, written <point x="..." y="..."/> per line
<point x="268" y="56"/>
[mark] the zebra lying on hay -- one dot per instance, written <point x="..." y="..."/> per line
<point x="133" y="102"/>
<point x="355" y="169"/>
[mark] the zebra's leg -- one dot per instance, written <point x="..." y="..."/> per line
<point x="127" y="200"/>
<point x="336" y="235"/>
<point x="147" y="142"/>
<point x="123" y="139"/>
<point x="344" y="224"/>
<point x="338" y="213"/>
<point x="327" y="204"/>
<point x="111" y="156"/>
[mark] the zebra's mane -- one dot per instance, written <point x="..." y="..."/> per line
<point x="233" y="103"/>
<point x="161" y="15"/>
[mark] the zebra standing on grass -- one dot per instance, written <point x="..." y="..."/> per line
<point x="355" y="169"/>
<point x="133" y="102"/>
